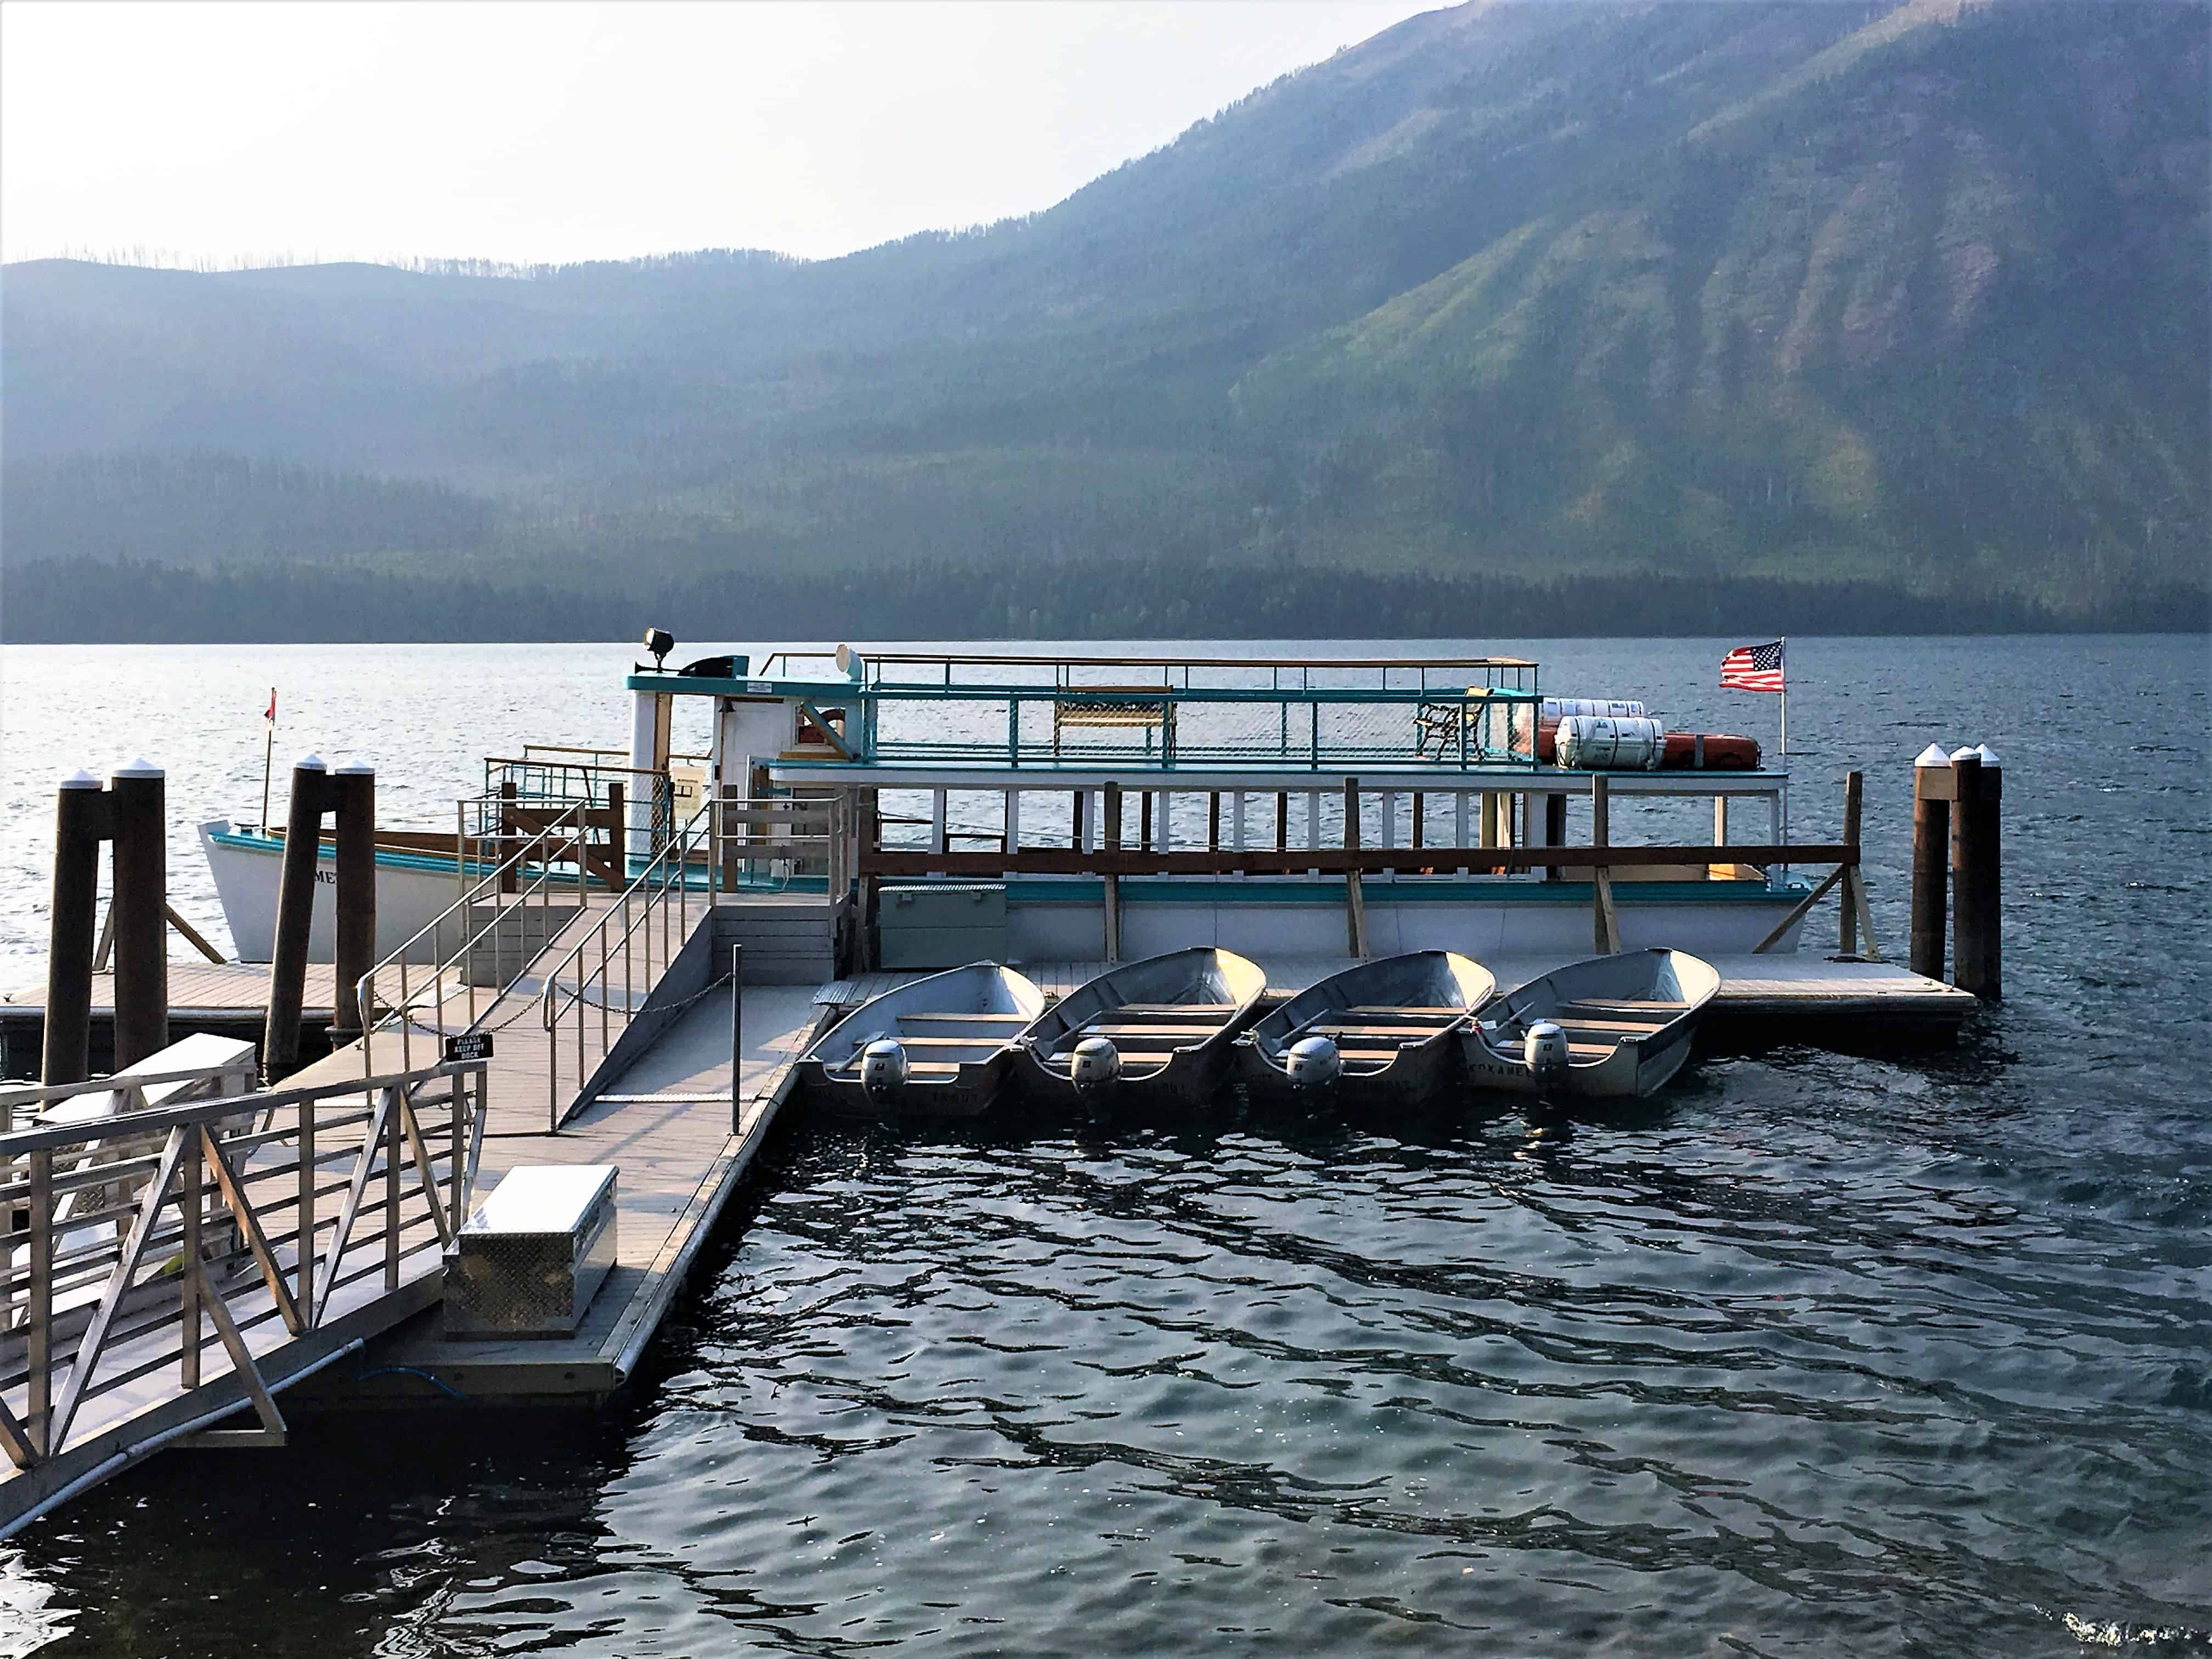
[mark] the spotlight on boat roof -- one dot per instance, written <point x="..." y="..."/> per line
<point x="659" y="641"/>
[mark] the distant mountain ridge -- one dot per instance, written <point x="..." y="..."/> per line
<point x="1511" y="299"/>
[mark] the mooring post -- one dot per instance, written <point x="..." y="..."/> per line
<point x="1977" y="919"/>
<point x="353" y="801"/>
<point x="138" y="794"/>
<point x="1931" y="855"/>
<point x="295" y="916"/>
<point x="80" y="823"/>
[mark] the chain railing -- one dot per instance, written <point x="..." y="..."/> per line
<point x="632" y="945"/>
<point x="132" y="1234"/>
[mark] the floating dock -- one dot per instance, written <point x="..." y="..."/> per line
<point x="665" y="1122"/>
<point x="229" y="999"/>
<point x="634" y="956"/>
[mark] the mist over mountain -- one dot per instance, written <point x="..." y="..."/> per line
<point x="1623" y="318"/>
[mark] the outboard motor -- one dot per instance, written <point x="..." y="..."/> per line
<point x="1096" y="1066"/>
<point x="1544" y="1050"/>
<point x="883" y="1068"/>
<point x="1313" y="1063"/>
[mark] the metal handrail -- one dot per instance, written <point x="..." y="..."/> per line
<point x="647" y="895"/>
<point x="137" y="1232"/>
<point x="662" y="890"/>
<point x="566" y="829"/>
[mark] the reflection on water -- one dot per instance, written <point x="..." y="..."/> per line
<point x="1814" y="1355"/>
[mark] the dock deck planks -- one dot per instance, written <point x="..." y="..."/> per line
<point x="668" y="1126"/>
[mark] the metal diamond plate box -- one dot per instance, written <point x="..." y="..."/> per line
<point x="537" y="1248"/>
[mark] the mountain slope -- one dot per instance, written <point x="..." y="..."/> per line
<point x="1908" y="297"/>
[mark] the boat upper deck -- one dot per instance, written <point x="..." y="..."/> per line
<point x="1252" y="719"/>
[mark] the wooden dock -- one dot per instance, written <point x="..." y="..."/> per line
<point x="229" y="999"/>
<point x="666" y="1122"/>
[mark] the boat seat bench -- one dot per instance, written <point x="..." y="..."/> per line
<point x="1150" y="1030"/>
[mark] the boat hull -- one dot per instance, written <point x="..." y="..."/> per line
<point x="1060" y="918"/>
<point x="1637" y="1067"/>
<point x="982" y="1007"/>
<point x="1432" y="1067"/>
<point x="1368" y="1009"/>
<point x="970" y="1092"/>
<point x="411" y="892"/>
<point x="1189" y="1079"/>
<point x="1219" y="989"/>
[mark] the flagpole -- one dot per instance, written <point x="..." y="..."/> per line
<point x="1785" y="693"/>
<point x="269" y="753"/>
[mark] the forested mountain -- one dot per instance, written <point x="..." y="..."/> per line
<point x="1537" y="315"/>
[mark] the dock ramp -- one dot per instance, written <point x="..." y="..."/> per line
<point x="182" y="1247"/>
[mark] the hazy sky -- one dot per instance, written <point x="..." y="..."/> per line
<point x="523" y="131"/>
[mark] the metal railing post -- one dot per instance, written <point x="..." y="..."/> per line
<point x="457" y="1165"/>
<point x="394" y="1095"/>
<point x="38" y="1318"/>
<point x="305" y="1249"/>
<point x="737" y="1038"/>
<point x="188" y="1284"/>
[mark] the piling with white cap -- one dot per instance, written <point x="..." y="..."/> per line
<point x="137" y="793"/>
<point x="1931" y="852"/>
<point x="353" y="801"/>
<point x="296" y="914"/>
<point x="1976" y="921"/>
<point x="80" y="823"/>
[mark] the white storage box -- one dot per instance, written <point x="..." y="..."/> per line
<point x="528" y="1262"/>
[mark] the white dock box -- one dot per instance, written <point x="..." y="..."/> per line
<point x="529" y="1260"/>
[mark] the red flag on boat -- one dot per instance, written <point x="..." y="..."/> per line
<point x="270" y="715"/>
<point x="1753" y="668"/>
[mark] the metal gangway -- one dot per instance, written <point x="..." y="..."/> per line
<point x="181" y="1248"/>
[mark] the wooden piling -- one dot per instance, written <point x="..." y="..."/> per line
<point x="80" y="823"/>
<point x="295" y="913"/>
<point x="1976" y="897"/>
<point x="138" y="796"/>
<point x="1931" y="855"/>
<point x="352" y="800"/>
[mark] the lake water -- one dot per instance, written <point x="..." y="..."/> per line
<point x="1812" y="1355"/>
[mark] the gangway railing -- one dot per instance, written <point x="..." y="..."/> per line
<point x="704" y="859"/>
<point x="481" y="944"/>
<point x="136" y="1239"/>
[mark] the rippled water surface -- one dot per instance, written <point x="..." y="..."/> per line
<point x="1815" y="1354"/>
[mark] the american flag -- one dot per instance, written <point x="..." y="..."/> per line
<point x="1752" y="668"/>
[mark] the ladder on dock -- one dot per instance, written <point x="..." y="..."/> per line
<point x="194" y="1249"/>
